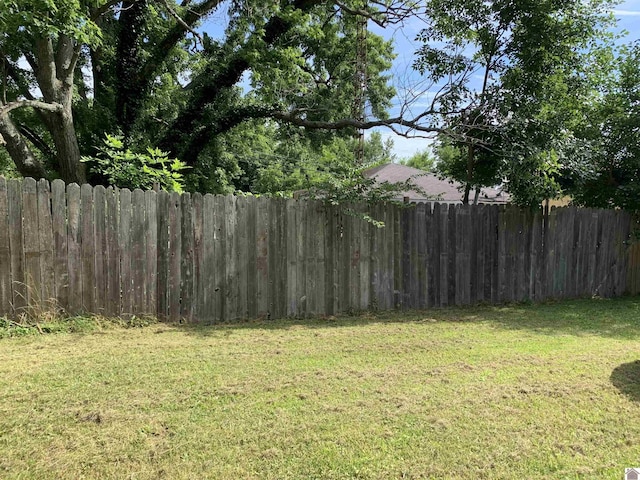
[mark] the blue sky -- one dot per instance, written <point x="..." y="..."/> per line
<point x="627" y="14"/>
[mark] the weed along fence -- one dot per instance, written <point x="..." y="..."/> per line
<point x="208" y="258"/>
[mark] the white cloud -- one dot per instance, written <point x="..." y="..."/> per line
<point x="626" y="13"/>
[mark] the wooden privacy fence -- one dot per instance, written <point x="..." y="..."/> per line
<point x="194" y="257"/>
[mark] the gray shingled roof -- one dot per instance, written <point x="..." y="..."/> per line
<point x="440" y="190"/>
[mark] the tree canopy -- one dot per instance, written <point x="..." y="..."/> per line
<point x="74" y="71"/>
<point x="512" y="78"/>
<point x="603" y="169"/>
<point x="262" y="96"/>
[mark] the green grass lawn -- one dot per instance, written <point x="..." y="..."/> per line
<point x="546" y="391"/>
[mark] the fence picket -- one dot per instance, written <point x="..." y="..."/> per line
<point x="292" y="284"/>
<point x="5" y="252"/>
<point x="74" y="249"/>
<point x="231" y="259"/>
<point x="138" y="252"/>
<point x="220" y="257"/>
<point x="444" y="244"/>
<point x="242" y="257"/>
<point x="209" y="267"/>
<point x="198" y="257"/>
<point x="453" y="248"/>
<point x="100" y="228"/>
<point x="31" y="243"/>
<point x="151" y="267"/>
<point x="126" y="303"/>
<point x="60" y="253"/>
<point x="186" y="259"/>
<point x="87" y="248"/>
<point x="250" y="285"/>
<point x="175" y="251"/>
<point x="112" y="253"/>
<point x="45" y="243"/>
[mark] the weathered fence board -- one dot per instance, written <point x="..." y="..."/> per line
<point x="138" y="252"/>
<point x="31" y="243"/>
<point x="209" y="263"/>
<point x="151" y="267"/>
<point x="230" y="299"/>
<point x="87" y="248"/>
<point x="163" y="255"/>
<point x="198" y="256"/>
<point x="112" y="253"/>
<point x="175" y="254"/>
<point x="220" y="257"/>
<point x="214" y="258"/>
<point x="101" y="266"/>
<point x="443" y="246"/>
<point x="186" y="259"/>
<point x="60" y="238"/>
<point x="74" y="249"/>
<point x="251" y="282"/>
<point x="292" y="304"/>
<point x="45" y="241"/>
<point x="125" y="244"/>
<point x="5" y="252"/>
<point x="329" y="259"/>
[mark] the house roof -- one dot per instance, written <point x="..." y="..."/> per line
<point x="436" y="188"/>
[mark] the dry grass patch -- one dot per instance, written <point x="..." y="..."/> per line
<point x="547" y="391"/>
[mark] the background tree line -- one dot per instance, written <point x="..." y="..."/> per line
<point x="531" y="95"/>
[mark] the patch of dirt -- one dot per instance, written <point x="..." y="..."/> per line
<point x="92" y="417"/>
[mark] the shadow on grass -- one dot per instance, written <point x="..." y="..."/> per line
<point x="617" y="318"/>
<point x="626" y="378"/>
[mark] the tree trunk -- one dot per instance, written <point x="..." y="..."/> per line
<point x="71" y="169"/>
<point x="55" y="71"/>
<point x="470" y="162"/>
<point x="19" y="150"/>
<point x="476" y="196"/>
<point x="467" y="191"/>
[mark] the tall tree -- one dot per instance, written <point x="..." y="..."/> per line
<point x="422" y="160"/>
<point x="504" y="73"/>
<point x="604" y="168"/>
<point x="49" y="35"/>
<point x="155" y="79"/>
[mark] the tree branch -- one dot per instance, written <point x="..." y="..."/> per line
<point x="160" y="53"/>
<point x="66" y="57"/>
<point x="14" y="73"/>
<point x="46" y="107"/>
<point x="102" y="9"/>
<point x="389" y="14"/>
<point x="37" y="141"/>
<point x="215" y="79"/>
<point x="181" y="22"/>
<point x="393" y="123"/>
<point x="46" y="72"/>
<point x="26" y="162"/>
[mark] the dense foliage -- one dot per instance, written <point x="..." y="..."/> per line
<point x="422" y="160"/>
<point x="514" y="78"/>
<point x="605" y="170"/>
<point x="141" y="70"/>
<point x="262" y="96"/>
<point x="127" y="169"/>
